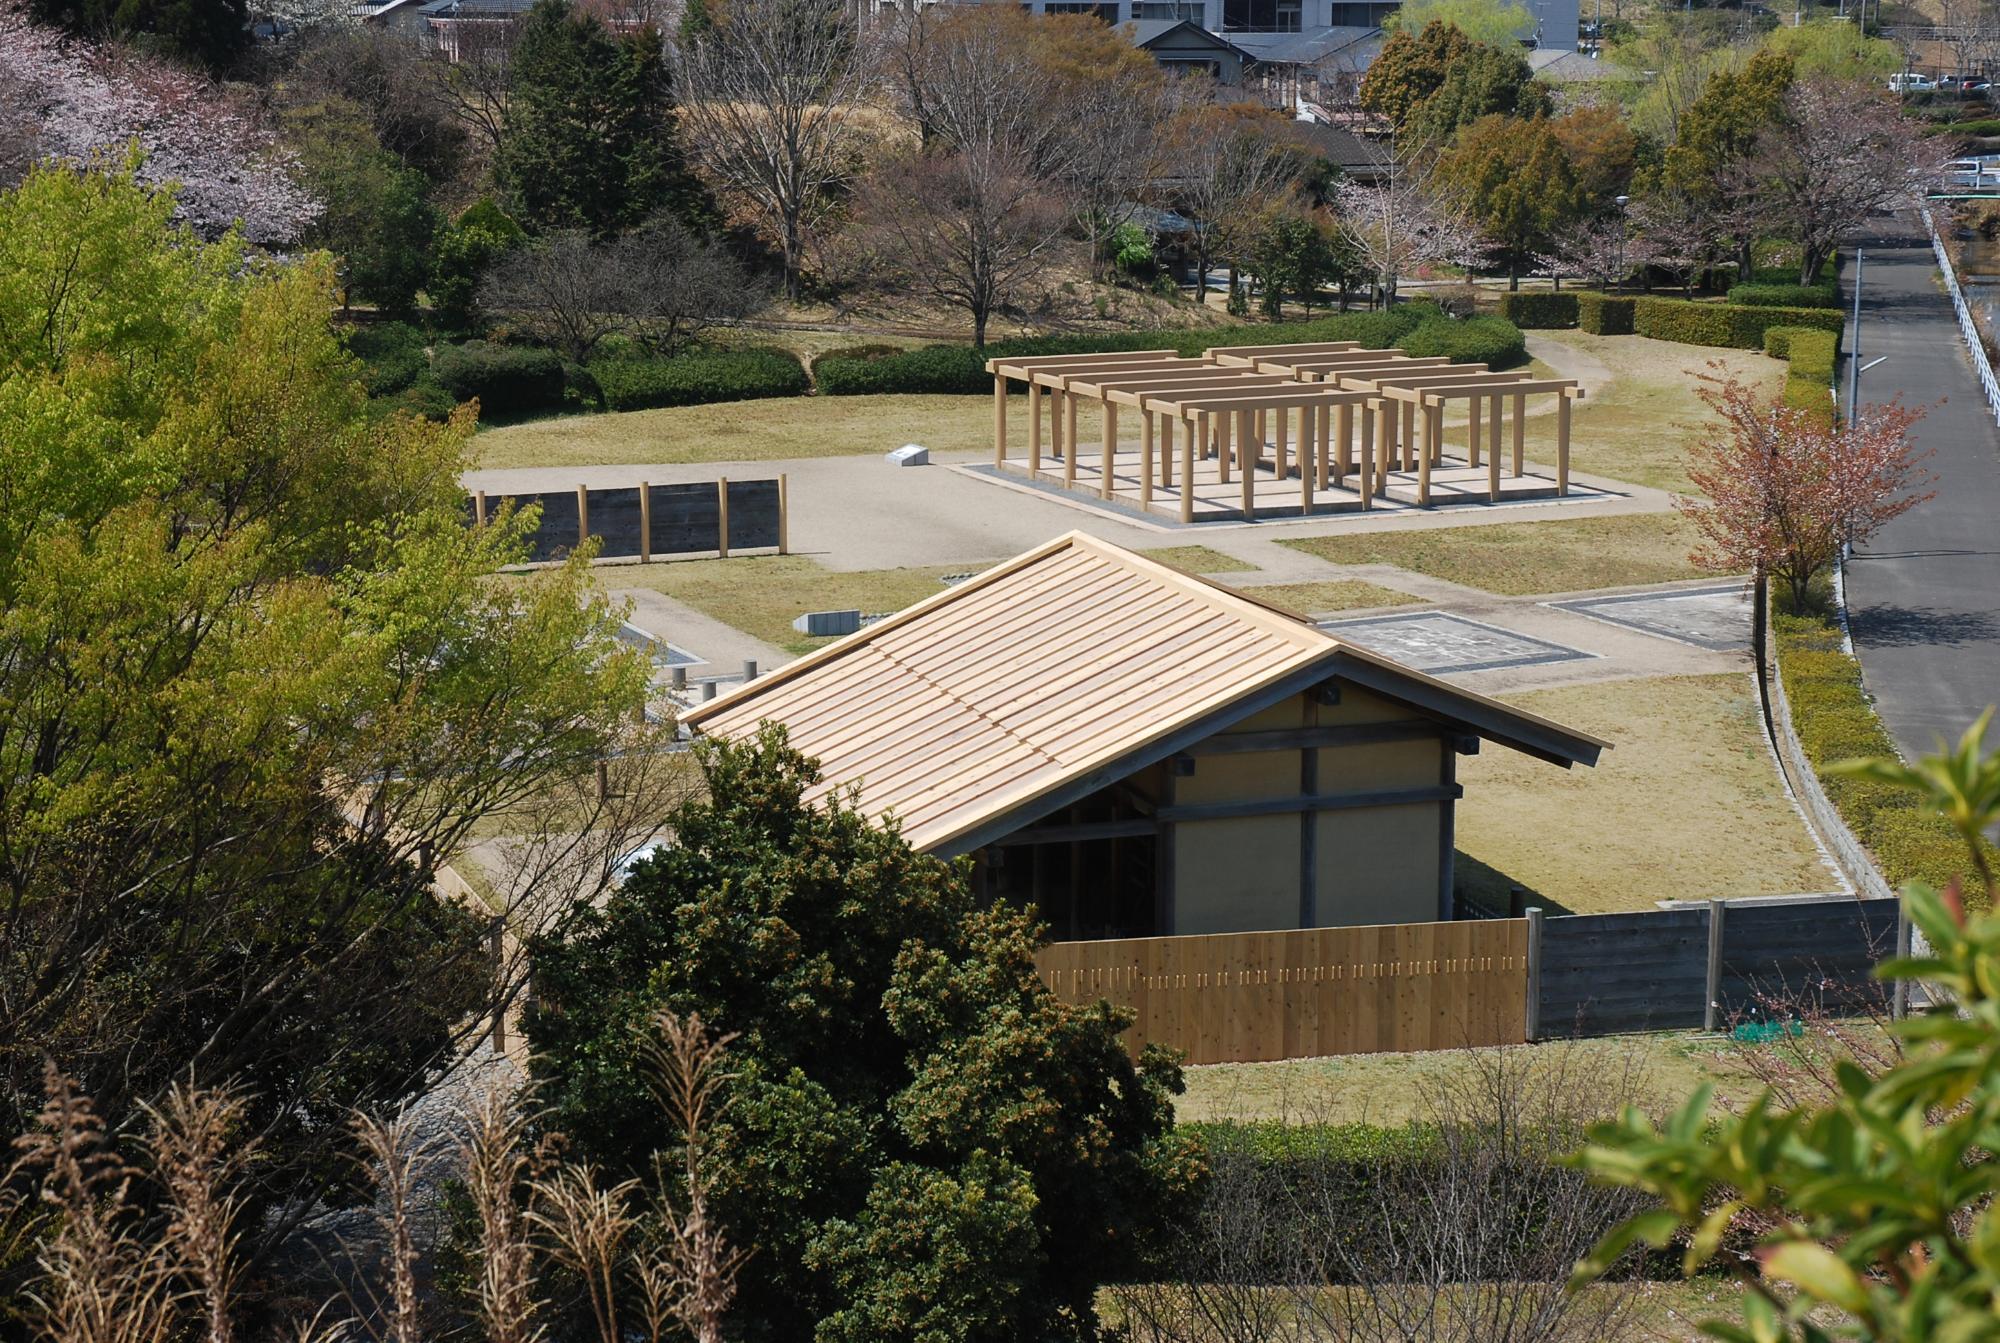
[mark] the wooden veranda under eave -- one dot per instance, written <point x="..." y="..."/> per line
<point x="1354" y="425"/>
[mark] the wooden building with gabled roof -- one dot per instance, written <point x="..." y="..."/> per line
<point x="1140" y="752"/>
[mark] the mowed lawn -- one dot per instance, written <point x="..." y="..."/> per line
<point x="762" y="594"/>
<point x="1687" y="804"/>
<point x="1638" y="427"/>
<point x="1339" y="594"/>
<point x="755" y="431"/>
<point x="1520" y="559"/>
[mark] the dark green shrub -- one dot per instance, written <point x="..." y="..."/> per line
<point x="1604" y="314"/>
<point x="508" y="380"/>
<point x="1778" y="341"/>
<point x="392" y="356"/>
<point x="698" y="378"/>
<point x="424" y="398"/>
<point x="1786" y="295"/>
<point x="1493" y="341"/>
<point x="581" y="390"/>
<point x="961" y="369"/>
<point x="864" y="353"/>
<point x="1535" y="312"/>
<point x="1722" y="324"/>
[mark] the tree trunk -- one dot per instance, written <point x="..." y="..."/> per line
<point x="1745" y="265"/>
<point x="1513" y="274"/>
<point x="979" y="327"/>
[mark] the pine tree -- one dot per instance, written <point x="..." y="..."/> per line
<point x="589" y="139"/>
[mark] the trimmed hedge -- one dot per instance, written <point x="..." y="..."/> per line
<point x="699" y="378"/>
<point x="1493" y="341"/>
<point x="1725" y="324"/>
<point x="508" y="380"/>
<point x="1822" y="295"/>
<point x="1539" y="312"/>
<point x="865" y="353"/>
<point x="1604" y="314"/>
<point x="961" y="369"/>
<point x="1835" y="721"/>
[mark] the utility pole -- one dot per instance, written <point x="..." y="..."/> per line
<point x="1854" y="346"/>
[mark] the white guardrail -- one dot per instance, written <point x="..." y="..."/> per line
<point x="1966" y="327"/>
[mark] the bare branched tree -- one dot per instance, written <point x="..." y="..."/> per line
<point x="659" y="282"/>
<point x="1593" y="249"/>
<point x="1229" y="169"/>
<point x="1840" y="152"/>
<point x="1672" y="232"/>
<point x="768" y="95"/>
<point x="468" y="80"/>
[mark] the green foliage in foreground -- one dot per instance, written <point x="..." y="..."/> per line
<point x="920" y="1140"/>
<point x="1879" y="1203"/>
<point x="1836" y="722"/>
<point x="253" y="676"/>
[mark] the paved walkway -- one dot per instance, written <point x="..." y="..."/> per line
<point x="1924" y="595"/>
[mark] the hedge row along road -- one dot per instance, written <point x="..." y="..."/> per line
<point x="1924" y="595"/>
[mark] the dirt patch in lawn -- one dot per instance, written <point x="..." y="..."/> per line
<point x="1519" y="559"/>
<point x="762" y="595"/>
<point x="1686" y="805"/>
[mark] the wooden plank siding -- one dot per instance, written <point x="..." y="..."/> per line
<point x="1304" y="993"/>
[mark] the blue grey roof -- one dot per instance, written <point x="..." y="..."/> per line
<point x="1307" y="47"/>
<point x="473" y="9"/>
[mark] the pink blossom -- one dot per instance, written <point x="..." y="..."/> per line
<point x="66" y="101"/>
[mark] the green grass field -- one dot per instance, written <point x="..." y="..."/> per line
<point x="1519" y="559"/>
<point x="1340" y="594"/>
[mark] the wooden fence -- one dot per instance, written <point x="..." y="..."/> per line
<point x="1394" y="988"/>
<point x="650" y="520"/>
<point x="1250" y="997"/>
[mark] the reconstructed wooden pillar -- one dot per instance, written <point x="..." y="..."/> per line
<point x="1223" y="421"/>
<point x="1493" y="459"/>
<point x="1472" y="405"/>
<point x="1562" y="442"/>
<point x="1408" y="439"/>
<point x="1069" y="438"/>
<point x="1324" y="455"/>
<point x="1167" y="451"/>
<point x="999" y="420"/>
<point x="1034" y="427"/>
<point x="1282" y="417"/>
<point x="1433" y="417"/>
<point x="1308" y="459"/>
<point x="1493" y="429"/>
<point x="1247" y="466"/>
<point x="1520" y="431"/>
<point x="1145" y="459"/>
<point x="1110" y="449"/>
<point x="1194" y="430"/>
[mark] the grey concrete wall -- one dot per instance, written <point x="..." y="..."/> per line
<point x="686" y="519"/>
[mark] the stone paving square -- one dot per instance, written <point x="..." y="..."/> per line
<point x="1716" y="618"/>
<point x="1432" y="641"/>
<point x="665" y="656"/>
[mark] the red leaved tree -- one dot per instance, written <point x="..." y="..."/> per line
<point x="1784" y="490"/>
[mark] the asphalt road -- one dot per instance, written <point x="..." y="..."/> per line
<point x="1924" y="595"/>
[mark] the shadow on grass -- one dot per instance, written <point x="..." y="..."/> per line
<point x="1485" y="891"/>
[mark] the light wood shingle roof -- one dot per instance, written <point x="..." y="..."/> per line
<point x="1034" y="675"/>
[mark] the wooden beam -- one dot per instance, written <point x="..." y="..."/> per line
<point x="1493" y="451"/>
<point x="1224" y="424"/>
<point x="784" y="514"/>
<point x="1284" y="806"/>
<point x="1472" y="409"/>
<point x="1280" y="444"/>
<point x="1503" y="382"/>
<point x="1327" y="737"/>
<point x="999" y="421"/>
<point x="1246" y="465"/>
<point x="1407" y="437"/>
<point x="1433" y="426"/>
<point x="1308" y="459"/>
<point x="1110" y="455"/>
<point x="479" y="507"/>
<point x="582" y="514"/>
<point x="1130" y="828"/>
<point x="1520" y="429"/>
<point x="1020" y="368"/>
<point x="1166" y="451"/>
<point x="1145" y="458"/>
<point x="1187" y="469"/>
<point x="722" y="518"/>
<point x="1034" y="429"/>
<point x="1069" y="440"/>
<point x="1562" y="445"/>
<point x="646" y="521"/>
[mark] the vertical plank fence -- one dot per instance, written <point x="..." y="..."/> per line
<point x="1254" y="997"/>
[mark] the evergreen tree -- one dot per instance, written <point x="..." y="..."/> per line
<point x="1410" y="69"/>
<point x="1520" y="182"/>
<point x="1483" y="81"/>
<point x="589" y="138"/>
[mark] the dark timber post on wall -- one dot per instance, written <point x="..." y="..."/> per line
<point x="1533" y="1014"/>
<point x="722" y="519"/>
<point x="784" y="515"/>
<point x="1309" y="838"/>
<point x="1899" y="993"/>
<point x="645" y="522"/>
<point x="1712" y="1014"/>
<point x="479" y="507"/>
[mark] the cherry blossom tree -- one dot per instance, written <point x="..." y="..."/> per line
<point x="1410" y="219"/>
<point x="68" y="101"/>
<point x="1784" y="490"/>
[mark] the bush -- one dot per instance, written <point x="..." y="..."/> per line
<point x="1822" y="295"/>
<point x="508" y="380"/>
<point x="1604" y="314"/>
<point x="698" y="378"/>
<point x="425" y="399"/>
<point x="865" y="353"/>
<point x="961" y="369"/>
<point x="1811" y="355"/>
<point x="1835" y="721"/>
<point x="1534" y="312"/>
<point x="1724" y="324"/>
<point x="1493" y="341"/>
<point x="392" y="356"/>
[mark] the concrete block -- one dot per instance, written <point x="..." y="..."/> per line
<point x="910" y="454"/>
<point x="820" y="624"/>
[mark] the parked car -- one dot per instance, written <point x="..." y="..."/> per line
<point x="1911" y="83"/>
<point x="1972" y="84"/>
